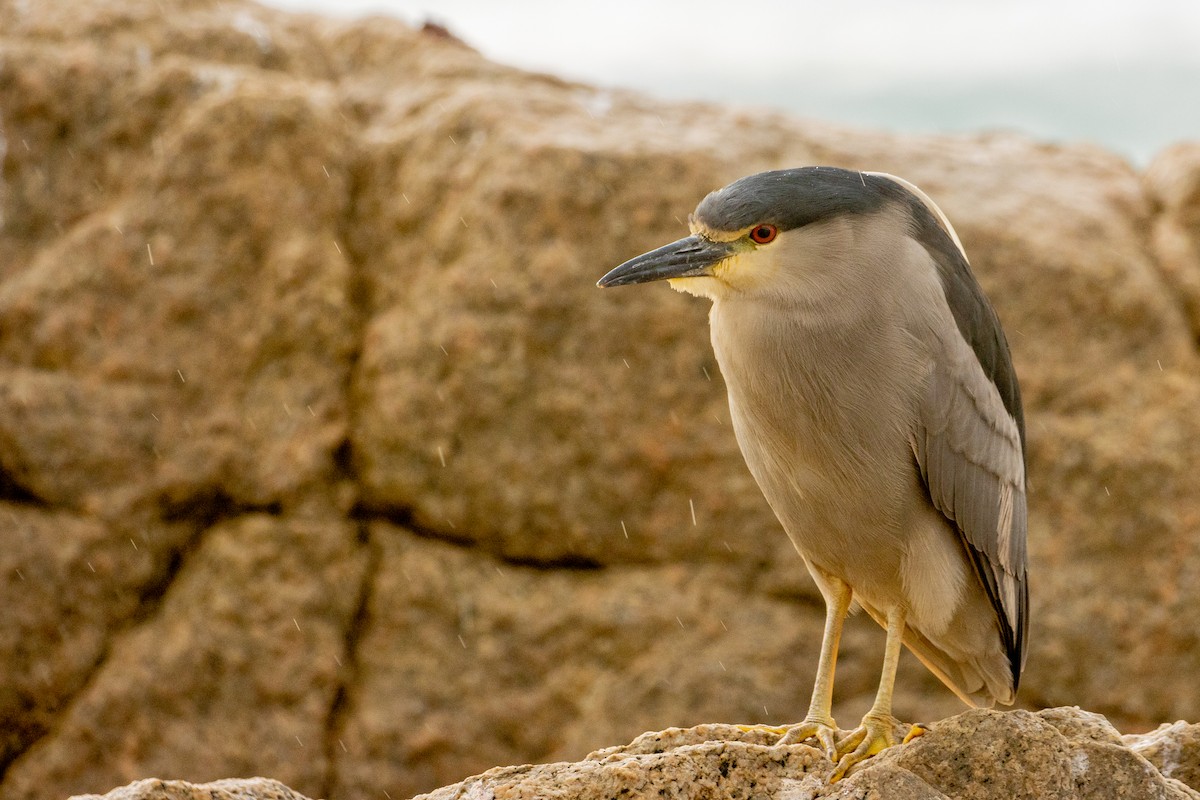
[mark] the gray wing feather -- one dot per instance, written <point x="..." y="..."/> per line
<point x="970" y="437"/>
<point x="971" y="455"/>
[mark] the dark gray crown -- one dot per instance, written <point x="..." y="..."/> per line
<point x="793" y="198"/>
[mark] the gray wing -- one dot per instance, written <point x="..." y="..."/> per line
<point x="970" y="437"/>
<point x="969" y="451"/>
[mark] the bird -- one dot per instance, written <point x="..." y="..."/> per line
<point x="873" y="396"/>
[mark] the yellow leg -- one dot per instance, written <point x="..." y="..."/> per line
<point x="818" y="723"/>
<point x="877" y="731"/>
<point x="820" y="708"/>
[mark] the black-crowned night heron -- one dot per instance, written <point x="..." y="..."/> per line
<point x="873" y="397"/>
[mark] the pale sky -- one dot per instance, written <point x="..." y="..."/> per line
<point x="1126" y="75"/>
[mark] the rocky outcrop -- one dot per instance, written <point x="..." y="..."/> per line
<point x="979" y="755"/>
<point x="1173" y="184"/>
<point x="322" y="458"/>
<point x="1057" y="754"/>
<point x="227" y="789"/>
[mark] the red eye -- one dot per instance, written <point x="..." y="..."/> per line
<point x="763" y="234"/>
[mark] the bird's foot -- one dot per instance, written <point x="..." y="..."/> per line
<point x="824" y="731"/>
<point x="873" y="736"/>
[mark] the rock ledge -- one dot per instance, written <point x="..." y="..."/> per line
<point x="977" y="755"/>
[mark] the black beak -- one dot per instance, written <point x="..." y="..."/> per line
<point x="685" y="258"/>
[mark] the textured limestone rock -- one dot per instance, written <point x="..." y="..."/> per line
<point x="68" y="581"/>
<point x="1173" y="184"/>
<point x="238" y="670"/>
<point x="228" y="789"/>
<point x="1057" y="754"/>
<point x="193" y="332"/>
<point x="978" y="755"/>
<point x="303" y="377"/>
<point x="1173" y="748"/>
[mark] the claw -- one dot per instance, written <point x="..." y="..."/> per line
<point x="873" y="736"/>
<point x="844" y="748"/>
<point x="918" y="729"/>
<point x="824" y="731"/>
<point x="825" y="734"/>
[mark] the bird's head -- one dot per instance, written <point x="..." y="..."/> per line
<point x="791" y="233"/>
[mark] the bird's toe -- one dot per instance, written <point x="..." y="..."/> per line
<point x="918" y="729"/>
<point x="826" y="735"/>
<point x="873" y="736"/>
<point x="825" y="732"/>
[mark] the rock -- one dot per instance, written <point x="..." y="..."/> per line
<point x="228" y="789"/>
<point x="68" y="582"/>
<point x="977" y="755"/>
<point x="239" y="669"/>
<point x="240" y="387"/>
<point x="1173" y="184"/>
<point x="1173" y="748"/>
<point x="313" y="424"/>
